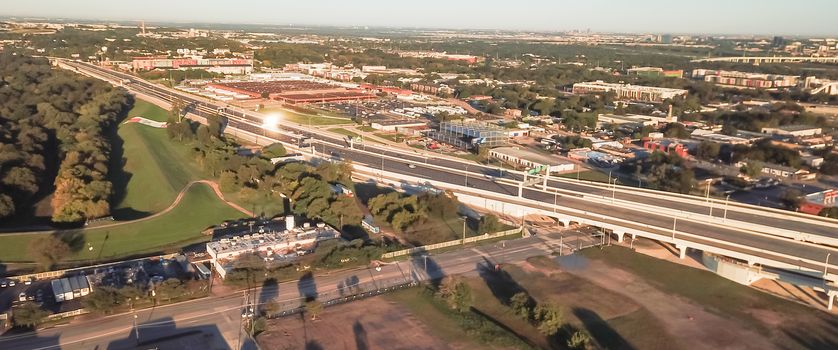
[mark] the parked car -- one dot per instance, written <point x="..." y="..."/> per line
<point x="21" y="296"/>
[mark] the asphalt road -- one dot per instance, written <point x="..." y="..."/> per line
<point x="481" y="177"/>
<point x="218" y="318"/>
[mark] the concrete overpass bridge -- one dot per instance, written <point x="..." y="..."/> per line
<point x="800" y="244"/>
<point x="770" y="59"/>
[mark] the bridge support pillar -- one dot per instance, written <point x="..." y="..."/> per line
<point x="565" y="222"/>
<point x="682" y="251"/>
<point x="620" y="236"/>
<point x="831" y="295"/>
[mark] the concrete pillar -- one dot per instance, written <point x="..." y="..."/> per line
<point x="682" y="251"/>
<point x="565" y="222"/>
<point x="831" y="295"/>
<point x="620" y="235"/>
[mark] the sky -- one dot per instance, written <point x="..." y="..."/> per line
<point x="771" y="17"/>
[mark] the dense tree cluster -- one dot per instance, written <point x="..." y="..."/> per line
<point x="667" y="172"/>
<point x="50" y="120"/>
<point x="421" y="218"/>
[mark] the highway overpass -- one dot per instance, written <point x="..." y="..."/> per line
<point x="770" y="59"/>
<point x="796" y="242"/>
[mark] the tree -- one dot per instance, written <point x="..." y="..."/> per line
<point x="752" y="168"/>
<point x="829" y="212"/>
<point x="456" y="293"/>
<point x="103" y="299"/>
<point x="170" y="289"/>
<point x="313" y="308"/>
<point x="708" y="150"/>
<point x="489" y="223"/>
<point x="522" y="305"/>
<point x="176" y="110"/>
<point x="580" y="340"/>
<point x="29" y="315"/>
<point x="7" y="206"/>
<point x="550" y="319"/>
<point x="48" y="250"/>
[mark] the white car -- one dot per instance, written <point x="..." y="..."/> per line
<point x="412" y="166"/>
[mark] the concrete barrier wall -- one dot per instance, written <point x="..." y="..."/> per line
<point x="451" y="243"/>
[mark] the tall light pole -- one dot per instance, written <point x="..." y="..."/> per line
<point x="466" y="175"/>
<point x="465" y="220"/>
<point x="136" y="330"/>
<point x="727" y="199"/>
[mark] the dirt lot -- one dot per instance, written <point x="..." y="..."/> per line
<point x="373" y="323"/>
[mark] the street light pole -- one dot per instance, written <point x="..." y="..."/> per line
<point x="466" y="175"/>
<point x="136" y="330"/>
<point x="465" y="219"/>
<point x="727" y="199"/>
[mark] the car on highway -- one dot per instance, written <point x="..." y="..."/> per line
<point x="411" y="165"/>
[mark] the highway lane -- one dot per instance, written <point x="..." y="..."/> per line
<point x="662" y="223"/>
<point x="224" y="312"/>
<point x="733" y="214"/>
<point x="641" y="216"/>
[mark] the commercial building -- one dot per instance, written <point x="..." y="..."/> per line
<point x="292" y="91"/>
<point x="522" y="158"/>
<point x="799" y="131"/>
<point x="470" y="135"/>
<point x="744" y="79"/>
<point x="815" y="202"/>
<point x="397" y="124"/>
<point x="628" y="91"/>
<point x="633" y="119"/>
<point x="666" y="146"/>
<point x="216" y="65"/>
<point x="655" y="72"/>
<point x="280" y="246"/>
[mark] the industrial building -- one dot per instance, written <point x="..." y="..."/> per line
<point x="633" y="119"/>
<point x="744" y="79"/>
<point x="655" y="72"/>
<point x="69" y="288"/>
<point x="628" y="91"/>
<point x="397" y="124"/>
<point x="793" y="131"/>
<point x="292" y="91"/>
<point x="815" y="202"/>
<point x="278" y="246"/>
<point x="239" y="66"/>
<point x="470" y="135"/>
<point x="522" y="158"/>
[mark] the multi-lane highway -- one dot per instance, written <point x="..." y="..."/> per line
<point x="753" y="230"/>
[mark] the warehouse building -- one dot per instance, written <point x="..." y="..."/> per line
<point x="522" y="158"/>
<point x="470" y="135"/>
<point x="744" y="79"/>
<point x="628" y="91"/>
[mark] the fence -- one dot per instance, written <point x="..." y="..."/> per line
<point x="450" y="243"/>
<point x="347" y="294"/>
<point x="60" y="273"/>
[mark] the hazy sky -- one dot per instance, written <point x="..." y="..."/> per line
<point x="797" y="17"/>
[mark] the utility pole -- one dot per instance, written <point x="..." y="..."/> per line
<point x="465" y="220"/>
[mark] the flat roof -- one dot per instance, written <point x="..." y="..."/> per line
<point x="532" y="156"/>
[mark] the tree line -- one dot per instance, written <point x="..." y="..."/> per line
<point x="53" y="122"/>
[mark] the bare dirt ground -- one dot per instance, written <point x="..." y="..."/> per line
<point x="680" y="317"/>
<point x="805" y="295"/>
<point x="373" y="323"/>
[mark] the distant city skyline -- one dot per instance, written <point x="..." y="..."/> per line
<point x="763" y="17"/>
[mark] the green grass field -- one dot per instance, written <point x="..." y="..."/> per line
<point x="587" y="175"/>
<point x="345" y="132"/>
<point x="156" y="168"/>
<point x="304" y="119"/>
<point x="155" y="171"/>
<point x="199" y="209"/>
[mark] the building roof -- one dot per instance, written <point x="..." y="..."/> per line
<point x="532" y="156"/>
